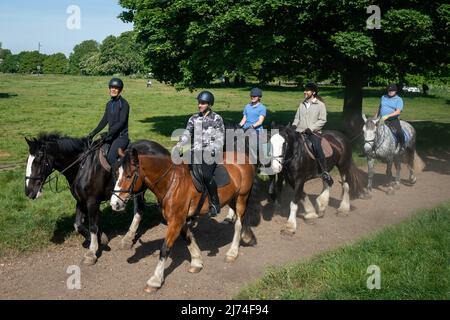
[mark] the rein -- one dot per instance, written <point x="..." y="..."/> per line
<point x="49" y="178"/>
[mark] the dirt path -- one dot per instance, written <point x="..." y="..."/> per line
<point x="122" y="274"/>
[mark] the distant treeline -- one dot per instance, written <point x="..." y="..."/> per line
<point x="115" y="55"/>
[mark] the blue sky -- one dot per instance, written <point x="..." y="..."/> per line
<point x="24" y="23"/>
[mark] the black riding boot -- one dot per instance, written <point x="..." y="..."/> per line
<point x="214" y="208"/>
<point x="325" y="174"/>
<point x="320" y="158"/>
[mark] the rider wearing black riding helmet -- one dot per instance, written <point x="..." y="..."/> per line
<point x="207" y="130"/>
<point x="310" y="118"/>
<point x="116" y="115"/>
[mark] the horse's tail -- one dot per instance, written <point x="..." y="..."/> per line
<point x="417" y="163"/>
<point x="356" y="179"/>
<point x="251" y="216"/>
<point x="247" y="235"/>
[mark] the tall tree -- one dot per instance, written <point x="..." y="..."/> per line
<point x="187" y="42"/>
<point x="30" y="61"/>
<point x="80" y="51"/>
<point x="56" y="64"/>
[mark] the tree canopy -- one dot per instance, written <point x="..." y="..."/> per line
<point x="190" y="42"/>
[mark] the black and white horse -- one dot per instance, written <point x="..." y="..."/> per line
<point x="89" y="182"/>
<point x="290" y="158"/>
<point x="380" y="143"/>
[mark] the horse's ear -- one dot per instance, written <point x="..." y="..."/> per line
<point x="28" y="141"/>
<point x="375" y="121"/>
<point x="364" y="117"/>
<point x="134" y="155"/>
<point x="288" y="125"/>
<point x="121" y="153"/>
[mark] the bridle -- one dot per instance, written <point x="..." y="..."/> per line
<point x="130" y="192"/>
<point x="373" y="142"/>
<point x="43" y="177"/>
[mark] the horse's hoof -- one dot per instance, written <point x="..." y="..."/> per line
<point x="89" y="259"/>
<point x="150" y="289"/>
<point x="390" y="191"/>
<point x="195" y="269"/>
<point x="104" y="240"/>
<point x="126" y="244"/>
<point x="321" y="214"/>
<point x="287" y="232"/>
<point x="310" y="221"/>
<point x="230" y="259"/>
<point x="342" y="213"/>
<point x="366" y="195"/>
<point x="413" y="180"/>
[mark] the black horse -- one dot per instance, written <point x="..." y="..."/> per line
<point x="89" y="182"/>
<point x="291" y="158"/>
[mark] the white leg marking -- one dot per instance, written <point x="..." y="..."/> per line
<point x="345" y="203"/>
<point x="135" y="223"/>
<point x="292" y="221"/>
<point x="29" y="166"/>
<point x="94" y="243"/>
<point x="310" y="211"/>
<point x="234" y="250"/>
<point x="158" y="277"/>
<point x="323" y="199"/>
<point x="196" y="256"/>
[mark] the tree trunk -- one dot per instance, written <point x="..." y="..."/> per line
<point x="354" y="81"/>
<point x="237" y="80"/>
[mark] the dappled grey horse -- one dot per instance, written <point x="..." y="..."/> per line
<point x="380" y="143"/>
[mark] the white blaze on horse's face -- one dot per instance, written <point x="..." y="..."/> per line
<point x="277" y="142"/>
<point x="117" y="204"/>
<point x="29" y="167"/>
<point x="32" y="187"/>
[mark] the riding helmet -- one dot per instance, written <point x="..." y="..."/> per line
<point x="116" y="83"/>
<point x="392" y="87"/>
<point x="256" y="92"/>
<point x="206" y="96"/>
<point x="312" y="87"/>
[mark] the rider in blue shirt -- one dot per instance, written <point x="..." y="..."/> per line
<point x="391" y="105"/>
<point x="254" y="112"/>
<point x="253" y="118"/>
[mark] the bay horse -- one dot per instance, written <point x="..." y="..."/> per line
<point x="89" y="182"/>
<point x="291" y="159"/>
<point x="380" y="143"/>
<point x="148" y="165"/>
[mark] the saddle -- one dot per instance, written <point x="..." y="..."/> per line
<point x="221" y="177"/>
<point x="394" y="133"/>
<point x="102" y="155"/>
<point x="326" y="146"/>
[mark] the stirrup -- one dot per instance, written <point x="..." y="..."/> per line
<point x="213" y="211"/>
<point x="327" y="178"/>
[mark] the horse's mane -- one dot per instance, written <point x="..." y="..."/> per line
<point x="64" y="143"/>
<point x="146" y="147"/>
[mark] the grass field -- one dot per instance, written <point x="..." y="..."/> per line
<point x="413" y="259"/>
<point x="73" y="106"/>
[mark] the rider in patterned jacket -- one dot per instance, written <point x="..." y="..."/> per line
<point x="206" y="131"/>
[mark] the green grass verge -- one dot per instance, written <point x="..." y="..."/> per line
<point x="413" y="257"/>
<point x="27" y="225"/>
